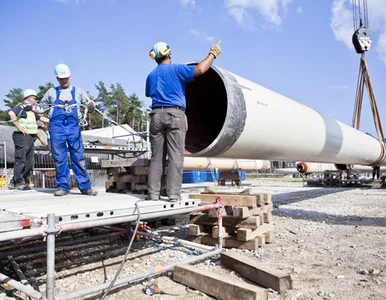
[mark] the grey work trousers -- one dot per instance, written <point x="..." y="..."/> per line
<point x="24" y="156"/>
<point x="168" y="127"/>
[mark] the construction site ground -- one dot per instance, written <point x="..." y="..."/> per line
<point x="331" y="240"/>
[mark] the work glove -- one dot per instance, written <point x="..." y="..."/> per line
<point x="90" y="106"/>
<point x="215" y="49"/>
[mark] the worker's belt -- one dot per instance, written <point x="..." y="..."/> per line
<point x="176" y="107"/>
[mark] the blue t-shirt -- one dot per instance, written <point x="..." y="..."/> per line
<point x="165" y="85"/>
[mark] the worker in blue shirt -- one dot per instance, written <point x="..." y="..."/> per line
<point x="165" y="85"/>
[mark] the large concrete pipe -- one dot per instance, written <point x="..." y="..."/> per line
<point x="232" y="117"/>
<point x="308" y="167"/>
<point x="224" y="164"/>
<point x="6" y="139"/>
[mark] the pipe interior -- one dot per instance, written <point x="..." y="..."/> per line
<point x="206" y="108"/>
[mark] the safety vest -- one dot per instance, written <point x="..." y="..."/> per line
<point x="28" y="123"/>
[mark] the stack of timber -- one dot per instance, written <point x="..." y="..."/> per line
<point x="247" y="220"/>
<point x="127" y="180"/>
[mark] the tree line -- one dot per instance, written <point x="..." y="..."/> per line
<point x="113" y="103"/>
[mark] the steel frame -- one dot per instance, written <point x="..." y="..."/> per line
<point x="55" y="225"/>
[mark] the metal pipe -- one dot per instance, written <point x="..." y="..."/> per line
<point x="51" y="230"/>
<point x="102" y="222"/>
<point x="308" y="167"/>
<point x="20" y="287"/>
<point x="152" y="272"/>
<point x="19" y="272"/>
<point x="242" y="119"/>
<point x="224" y="164"/>
<point x="169" y="239"/>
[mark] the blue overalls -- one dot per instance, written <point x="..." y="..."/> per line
<point x="65" y="135"/>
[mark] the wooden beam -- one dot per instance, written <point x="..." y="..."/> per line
<point x="246" y="234"/>
<point x="228" y="221"/>
<point x="127" y="162"/>
<point x="253" y="270"/>
<point x="218" y="286"/>
<point x="228" y="242"/>
<point x="231" y="200"/>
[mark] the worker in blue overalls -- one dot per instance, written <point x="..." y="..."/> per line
<point x="65" y="101"/>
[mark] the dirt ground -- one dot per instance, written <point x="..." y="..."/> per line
<point x="331" y="240"/>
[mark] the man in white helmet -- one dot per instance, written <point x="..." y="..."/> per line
<point x="65" y="101"/>
<point x="23" y="138"/>
<point x="165" y="85"/>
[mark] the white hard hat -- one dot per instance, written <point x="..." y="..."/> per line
<point x="159" y="50"/>
<point x="29" y="92"/>
<point x="62" y="71"/>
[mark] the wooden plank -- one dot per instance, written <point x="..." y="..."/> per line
<point x="227" y="242"/>
<point x="246" y="234"/>
<point x="253" y="270"/>
<point x="218" y="286"/>
<point x="241" y="212"/>
<point x="228" y="221"/>
<point x="231" y="200"/>
<point x="127" y="162"/>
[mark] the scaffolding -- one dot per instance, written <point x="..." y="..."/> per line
<point x="33" y="216"/>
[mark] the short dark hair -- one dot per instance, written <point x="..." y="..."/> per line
<point x="161" y="59"/>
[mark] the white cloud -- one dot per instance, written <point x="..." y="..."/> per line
<point x="188" y="3"/>
<point x="343" y="29"/>
<point x="201" y="35"/>
<point x="299" y="10"/>
<point x="272" y="11"/>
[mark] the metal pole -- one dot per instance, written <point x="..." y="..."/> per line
<point x="51" y="230"/>
<point x="156" y="271"/>
<point x="20" y="287"/>
<point x="219" y="222"/>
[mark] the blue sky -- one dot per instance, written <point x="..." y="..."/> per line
<point x="298" y="48"/>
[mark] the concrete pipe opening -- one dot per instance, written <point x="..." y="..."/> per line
<point x="213" y="104"/>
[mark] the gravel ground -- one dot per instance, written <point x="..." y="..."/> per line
<point x="331" y="240"/>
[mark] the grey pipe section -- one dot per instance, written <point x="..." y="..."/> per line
<point x="51" y="256"/>
<point x="20" y="287"/>
<point x="146" y="274"/>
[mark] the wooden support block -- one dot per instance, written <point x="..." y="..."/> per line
<point x="195" y="230"/>
<point x="246" y="234"/>
<point x="215" y="232"/>
<point x="227" y="242"/>
<point x="269" y="237"/>
<point x="218" y="286"/>
<point x="261" y="240"/>
<point x="213" y="213"/>
<point x="267" y="217"/>
<point x="253" y="270"/>
<point x="228" y="221"/>
<point x="240" y="212"/>
<point x="231" y="200"/>
<point x="267" y="198"/>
